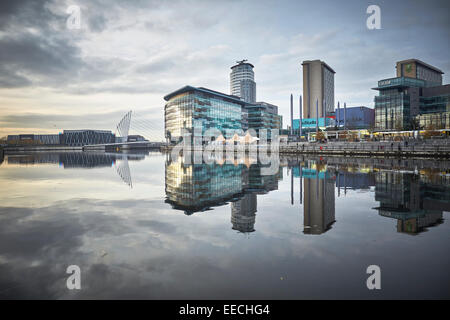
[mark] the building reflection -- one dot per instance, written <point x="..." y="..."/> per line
<point x="243" y="213"/>
<point x="70" y="160"/>
<point x="74" y="159"/>
<point x="317" y="185"/>
<point x="416" y="201"/>
<point x="200" y="187"/>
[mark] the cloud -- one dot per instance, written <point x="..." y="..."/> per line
<point x="134" y="52"/>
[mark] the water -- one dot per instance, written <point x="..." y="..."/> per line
<point x="142" y="226"/>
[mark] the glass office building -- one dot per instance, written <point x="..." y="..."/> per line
<point x="263" y="115"/>
<point x="87" y="137"/>
<point x="397" y="103"/>
<point x="191" y="108"/>
<point x="416" y="91"/>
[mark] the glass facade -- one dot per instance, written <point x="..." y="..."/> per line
<point x="400" y="82"/>
<point x="201" y="109"/>
<point x="87" y="137"/>
<point x="263" y="116"/>
<point x="434" y="121"/>
<point x="393" y="104"/>
<point x="392" y="110"/>
<point x="198" y="187"/>
<point x="431" y="77"/>
<point x="435" y="104"/>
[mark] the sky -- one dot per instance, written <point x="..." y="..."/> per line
<point x="127" y="55"/>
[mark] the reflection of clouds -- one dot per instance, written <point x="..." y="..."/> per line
<point x="149" y="252"/>
<point x="46" y="240"/>
<point x="140" y="248"/>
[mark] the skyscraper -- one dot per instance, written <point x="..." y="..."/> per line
<point x="242" y="81"/>
<point x="318" y="85"/>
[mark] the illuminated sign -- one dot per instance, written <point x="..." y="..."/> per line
<point x="384" y="83"/>
<point x="311" y="123"/>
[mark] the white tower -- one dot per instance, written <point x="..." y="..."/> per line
<point x="242" y="81"/>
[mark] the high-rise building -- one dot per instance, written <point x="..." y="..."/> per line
<point x="242" y="81"/>
<point x="318" y="85"/>
<point x="417" y="90"/>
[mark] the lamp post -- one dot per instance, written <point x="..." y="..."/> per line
<point x="301" y="116"/>
<point x="338" y="116"/>
<point x="292" y="114"/>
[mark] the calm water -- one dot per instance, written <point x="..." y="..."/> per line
<point x="142" y="226"/>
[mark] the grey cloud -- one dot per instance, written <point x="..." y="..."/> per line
<point x="33" y="120"/>
<point x="31" y="56"/>
<point x="10" y="79"/>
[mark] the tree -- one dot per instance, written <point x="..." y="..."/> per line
<point x="320" y="136"/>
<point x="430" y="131"/>
<point x="352" y="136"/>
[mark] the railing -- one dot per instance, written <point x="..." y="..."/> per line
<point x="432" y="148"/>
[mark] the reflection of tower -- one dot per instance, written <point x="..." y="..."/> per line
<point x="243" y="213"/>
<point x="319" y="210"/>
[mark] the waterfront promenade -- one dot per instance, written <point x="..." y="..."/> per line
<point x="409" y="148"/>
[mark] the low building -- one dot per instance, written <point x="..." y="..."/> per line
<point x="309" y="124"/>
<point x="434" y="108"/>
<point x="355" y="117"/>
<point x="434" y="121"/>
<point x="135" y="138"/>
<point x="263" y="116"/>
<point x="87" y="137"/>
<point x="44" y="139"/>
<point x="48" y="138"/>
